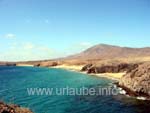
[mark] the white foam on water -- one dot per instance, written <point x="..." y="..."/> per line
<point x="128" y="95"/>
<point x="115" y="86"/>
<point x="122" y="92"/>
<point x="141" y="98"/>
<point x="120" y="88"/>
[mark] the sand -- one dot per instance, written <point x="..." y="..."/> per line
<point x="70" y="67"/>
<point x="26" y="65"/>
<point x="113" y="76"/>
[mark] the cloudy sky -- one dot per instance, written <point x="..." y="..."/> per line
<point x="43" y="29"/>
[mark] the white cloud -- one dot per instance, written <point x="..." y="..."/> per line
<point x="26" y="51"/>
<point x="10" y="36"/>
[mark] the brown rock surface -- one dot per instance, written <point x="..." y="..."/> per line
<point x="114" y="68"/>
<point x="7" y="64"/>
<point x="86" y="67"/>
<point x="46" y="64"/>
<point x="5" y="108"/>
<point x="138" y="80"/>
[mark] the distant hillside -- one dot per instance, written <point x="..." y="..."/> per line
<point x="98" y="54"/>
<point x="103" y="51"/>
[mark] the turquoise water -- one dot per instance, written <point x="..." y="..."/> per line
<point x="14" y="82"/>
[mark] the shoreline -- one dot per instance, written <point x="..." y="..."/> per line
<point x="113" y="76"/>
<point x="77" y="68"/>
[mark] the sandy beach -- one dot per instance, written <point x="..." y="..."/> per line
<point x="70" y="67"/>
<point x="26" y="65"/>
<point x="113" y="76"/>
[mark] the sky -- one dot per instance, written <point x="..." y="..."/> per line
<point x="45" y="29"/>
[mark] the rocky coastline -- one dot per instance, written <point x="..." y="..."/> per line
<point x="116" y="68"/>
<point x="12" y="108"/>
<point x="135" y="78"/>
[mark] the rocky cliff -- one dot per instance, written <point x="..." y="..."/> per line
<point x="5" y="108"/>
<point x="7" y="64"/>
<point x="138" y="80"/>
<point x="114" y="68"/>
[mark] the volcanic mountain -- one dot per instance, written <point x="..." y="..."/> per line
<point x="98" y="54"/>
<point x="103" y="51"/>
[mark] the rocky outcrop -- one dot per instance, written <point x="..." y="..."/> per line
<point x="138" y="80"/>
<point x="7" y="64"/>
<point x="46" y="64"/>
<point x="86" y="67"/>
<point x="122" y="67"/>
<point x="5" y="108"/>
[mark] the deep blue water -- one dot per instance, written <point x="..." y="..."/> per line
<point x="14" y="82"/>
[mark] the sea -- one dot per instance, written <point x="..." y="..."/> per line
<point x="50" y="90"/>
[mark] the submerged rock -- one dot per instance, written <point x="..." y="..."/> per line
<point x="137" y="80"/>
<point x="5" y="108"/>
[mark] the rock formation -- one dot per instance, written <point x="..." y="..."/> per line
<point x="5" y="108"/>
<point x="122" y="67"/>
<point x="86" y="67"/>
<point x="138" y="80"/>
<point x="7" y="64"/>
<point x="46" y="64"/>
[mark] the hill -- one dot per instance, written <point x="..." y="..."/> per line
<point x="103" y="51"/>
<point x="98" y="54"/>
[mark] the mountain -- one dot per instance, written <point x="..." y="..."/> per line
<point x="103" y="51"/>
<point x="98" y="54"/>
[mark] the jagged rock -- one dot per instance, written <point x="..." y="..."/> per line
<point x="5" y="108"/>
<point x="47" y="64"/>
<point x="37" y="65"/>
<point x="54" y="64"/>
<point x="7" y="64"/>
<point x="138" y="80"/>
<point x="10" y="64"/>
<point x="86" y="67"/>
<point x="122" y="67"/>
